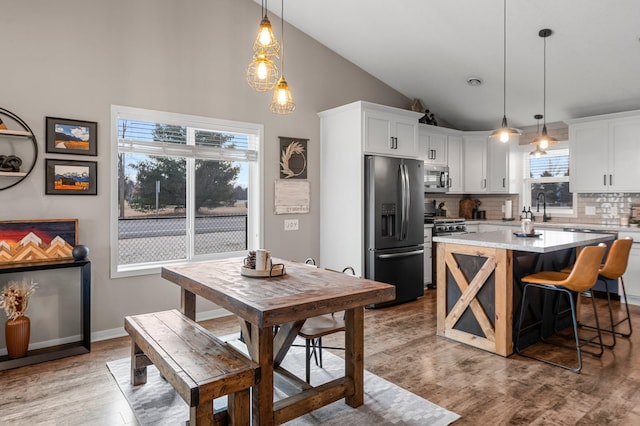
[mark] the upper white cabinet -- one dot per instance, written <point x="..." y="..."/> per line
<point x="455" y="159"/>
<point x="390" y="131"/>
<point x="432" y="145"/>
<point x="486" y="164"/>
<point x="603" y="153"/>
<point x="497" y="166"/>
<point x="475" y="164"/>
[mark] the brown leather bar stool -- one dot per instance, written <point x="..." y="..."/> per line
<point x="613" y="269"/>
<point x="581" y="279"/>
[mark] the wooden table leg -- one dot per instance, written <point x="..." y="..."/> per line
<point x="354" y="354"/>
<point x="262" y="395"/>
<point x="188" y="303"/>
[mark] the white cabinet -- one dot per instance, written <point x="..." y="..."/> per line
<point x="391" y="133"/>
<point x="632" y="274"/>
<point x="432" y="145"/>
<point x="604" y="153"/>
<point x="486" y="164"/>
<point x="497" y="166"/>
<point x="455" y="160"/>
<point x="428" y="260"/>
<point x="346" y="134"/>
<point x="475" y="164"/>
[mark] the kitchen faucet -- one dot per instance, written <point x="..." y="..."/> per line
<point x="544" y="206"/>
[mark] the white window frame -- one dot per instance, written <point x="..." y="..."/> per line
<point x="255" y="219"/>
<point x="527" y="181"/>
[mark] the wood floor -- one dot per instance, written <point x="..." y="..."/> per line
<point x="400" y="346"/>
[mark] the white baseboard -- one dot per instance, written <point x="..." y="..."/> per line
<point x="119" y="332"/>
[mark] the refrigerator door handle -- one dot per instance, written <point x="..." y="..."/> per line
<point x="397" y="255"/>
<point x="406" y="200"/>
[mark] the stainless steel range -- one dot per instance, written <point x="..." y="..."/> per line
<point x="446" y="225"/>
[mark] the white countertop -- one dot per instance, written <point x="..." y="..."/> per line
<point x="548" y="241"/>
<point x="557" y="225"/>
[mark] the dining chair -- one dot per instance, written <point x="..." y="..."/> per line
<point x="581" y="279"/>
<point x="315" y="328"/>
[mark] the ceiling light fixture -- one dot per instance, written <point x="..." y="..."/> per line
<point x="266" y="41"/>
<point x="505" y="132"/>
<point x="538" y="151"/>
<point x="262" y="73"/>
<point x="282" y="102"/>
<point x="543" y="141"/>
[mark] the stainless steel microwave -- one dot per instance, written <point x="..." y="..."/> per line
<point x="436" y="178"/>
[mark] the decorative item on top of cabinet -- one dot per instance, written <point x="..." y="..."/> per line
<point x="17" y="155"/>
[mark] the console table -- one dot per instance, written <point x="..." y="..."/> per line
<point x="68" y="349"/>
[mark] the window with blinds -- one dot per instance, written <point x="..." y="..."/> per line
<point x="548" y="175"/>
<point x="186" y="188"/>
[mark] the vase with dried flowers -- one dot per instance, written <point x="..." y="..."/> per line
<point x="14" y="299"/>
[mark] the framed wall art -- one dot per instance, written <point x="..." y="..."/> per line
<point x="69" y="177"/>
<point x="37" y="240"/>
<point x="66" y="136"/>
<point x="293" y="158"/>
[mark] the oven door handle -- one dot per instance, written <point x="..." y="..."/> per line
<point x="397" y="255"/>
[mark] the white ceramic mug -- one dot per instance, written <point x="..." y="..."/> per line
<point x="263" y="260"/>
<point x="527" y="226"/>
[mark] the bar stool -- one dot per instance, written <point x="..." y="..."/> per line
<point x="613" y="269"/>
<point x="582" y="278"/>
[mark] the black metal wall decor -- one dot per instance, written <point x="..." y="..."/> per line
<point x="18" y="149"/>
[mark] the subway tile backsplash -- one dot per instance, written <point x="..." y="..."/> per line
<point x="596" y="208"/>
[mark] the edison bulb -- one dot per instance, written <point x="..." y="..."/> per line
<point x="504" y="136"/>
<point x="262" y="70"/>
<point x="265" y="35"/>
<point x="544" y="143"/>
<point x="282" y="96"/>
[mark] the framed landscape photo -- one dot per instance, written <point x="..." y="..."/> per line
<point x="66" y="136"/>
<point x="69" y="177"/>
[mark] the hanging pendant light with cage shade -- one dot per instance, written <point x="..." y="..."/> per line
<point x="504" y="133"/>
<point x="262" y="73"/>
<point x="282" y="102"/>
<point x="266" y="42"/>
<point x="543" y="141"/>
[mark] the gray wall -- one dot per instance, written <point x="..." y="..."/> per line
<point x="75" y="58"/>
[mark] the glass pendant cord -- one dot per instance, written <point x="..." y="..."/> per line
<point x="282" y="102"/>
<point x="504" y="132"/>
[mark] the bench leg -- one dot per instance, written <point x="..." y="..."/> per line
<point x="239" y="408"/>
<point x="139" y="362"/>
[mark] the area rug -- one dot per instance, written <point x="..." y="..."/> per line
<point x="156" y="403"/>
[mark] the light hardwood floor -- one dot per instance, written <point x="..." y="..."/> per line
<point x="400" y="346"/>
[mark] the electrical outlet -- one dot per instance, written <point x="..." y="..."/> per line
<point x="291" y="225"/>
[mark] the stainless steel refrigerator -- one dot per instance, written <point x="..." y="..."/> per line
<point x="394" y="225"/>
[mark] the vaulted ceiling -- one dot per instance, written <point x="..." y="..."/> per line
<point x="428" y="49"/>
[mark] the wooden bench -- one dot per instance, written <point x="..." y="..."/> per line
<point x="197" y="364"/>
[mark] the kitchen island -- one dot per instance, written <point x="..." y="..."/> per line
<point x="479" y="284"/>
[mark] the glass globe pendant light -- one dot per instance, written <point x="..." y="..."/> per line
<point x="282" y="102"/>
<point x="539" y="151"/>
<point x="505" y="132"/>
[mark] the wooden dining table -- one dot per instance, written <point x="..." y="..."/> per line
<point x="286" y="301"/>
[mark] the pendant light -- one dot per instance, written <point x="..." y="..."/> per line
<point x="262" y="73"/>
<point x="544" y="141"/>
<point x="266" y="43"/>
<point x="538" y="151"/>
<point x="505" y="132"/>
<point x="282" y="102"/>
